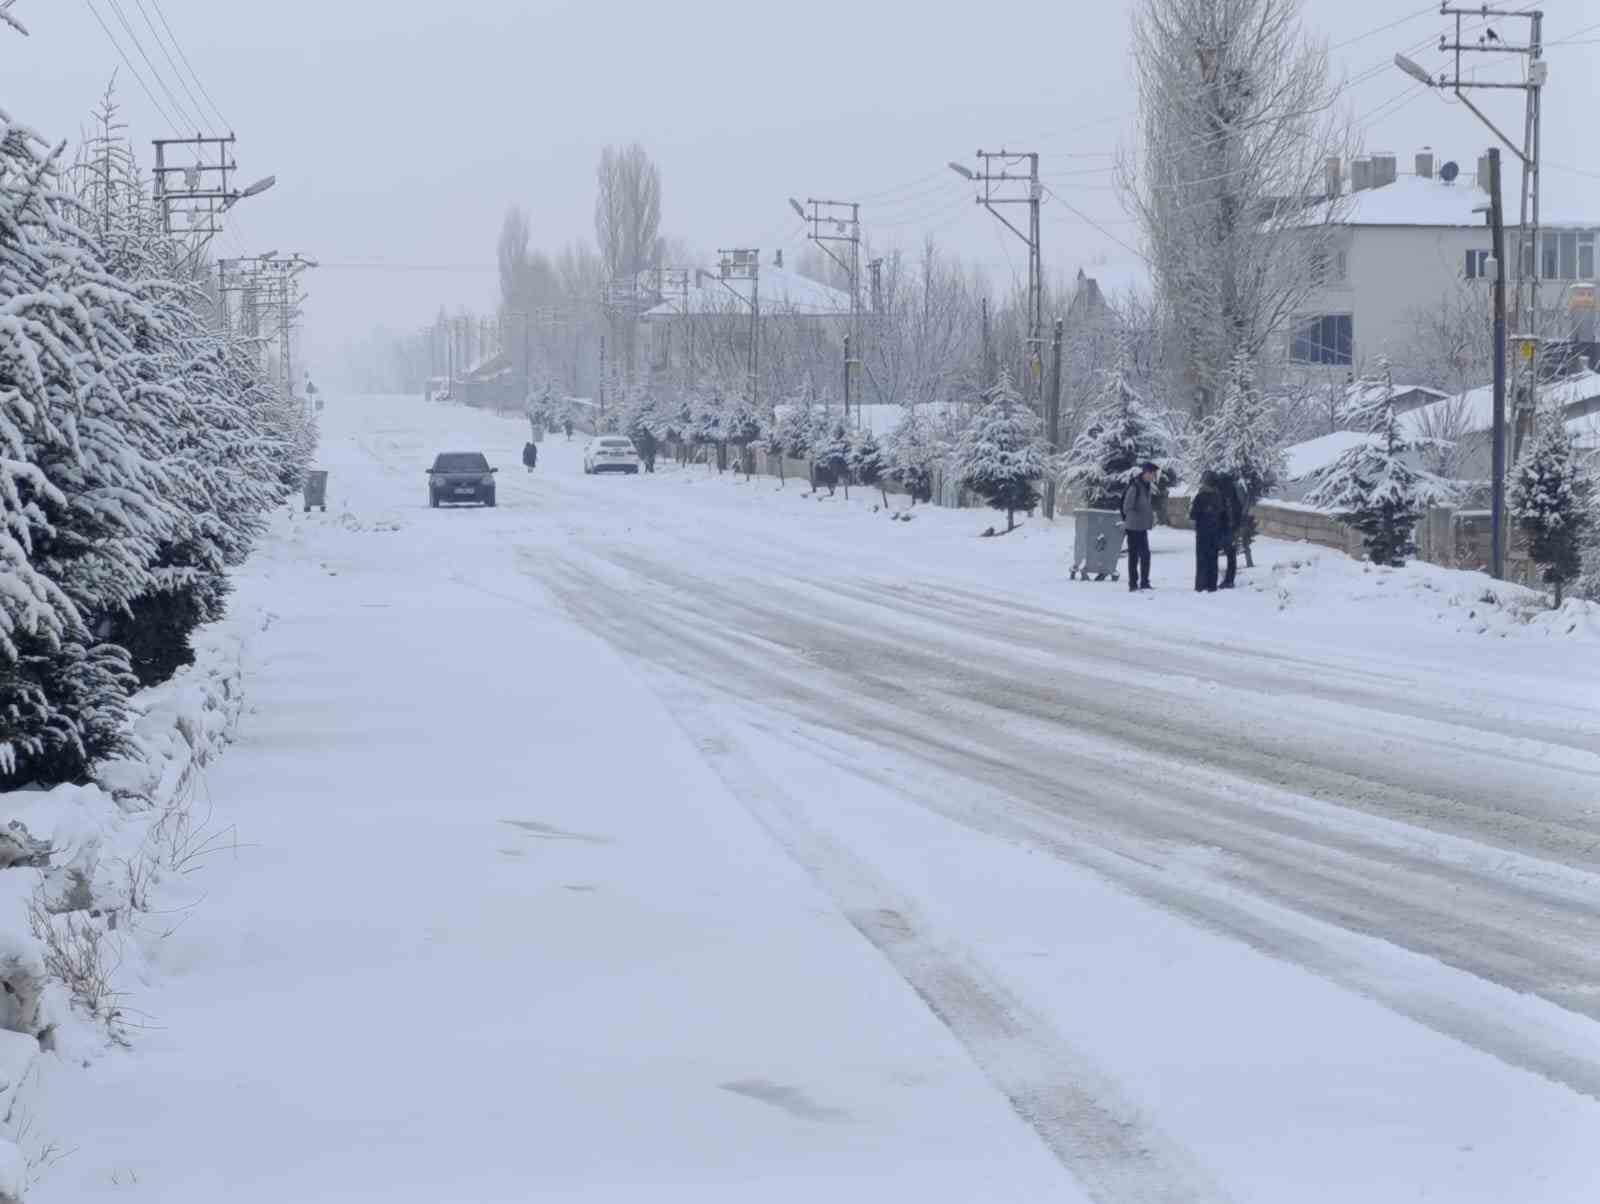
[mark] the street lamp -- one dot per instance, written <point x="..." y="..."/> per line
<point x="796" y="206"/>
<point x="1414" y="70"/>
<point x="964" y="172"/>
<point x="255" y="189"/>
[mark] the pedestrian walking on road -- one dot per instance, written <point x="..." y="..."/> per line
<point x="1209" y="513"/>
<point x="530" y="456"/>
<point x="568" y="425"/>
<point x="1138" y="517"/>
<point x="1237" y="503"/>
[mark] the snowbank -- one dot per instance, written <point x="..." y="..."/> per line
<point x="80" y="864"/>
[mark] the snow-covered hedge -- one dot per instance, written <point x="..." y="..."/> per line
<point x="140" y="448"/>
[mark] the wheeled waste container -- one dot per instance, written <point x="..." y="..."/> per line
<point x="316" y="489"/>
<point x="1096" y="544"/>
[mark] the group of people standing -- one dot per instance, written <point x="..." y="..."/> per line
<point x="1218" y="511"/>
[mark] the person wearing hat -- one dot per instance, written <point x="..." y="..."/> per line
<point x="1138" y="517"/>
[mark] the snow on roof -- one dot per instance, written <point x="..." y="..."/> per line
<point x="781" y="292"/>
<point x="1316" y="454"/>
<point x="1363" y="392"/>
<point x="1473" y="411"/>
<point x="1427" y="201"/>
<point x="1415" y="201"/>
<point x="880" y="419"/>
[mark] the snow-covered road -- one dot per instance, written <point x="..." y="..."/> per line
<point x="677" y="837"/>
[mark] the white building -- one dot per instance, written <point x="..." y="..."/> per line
<point x="1407" y="243"/>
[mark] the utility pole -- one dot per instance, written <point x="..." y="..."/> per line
<point x="1003" y="186"/>
<point x="829" y="225"/>
<point x="1526" y="322"/>
<point x="602" y="379"/>
<point x="198" y="193"/>
<point x="988" y="364"/>
<point x="267" y="284"/>
<point x="744" y="263"/>
<point x="1052" y="417"/>
<point x="847" y="378"/>
<point x="1498" y="276"/>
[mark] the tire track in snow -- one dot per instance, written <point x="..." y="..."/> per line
<point x="1280" y="876"/>
<point x="1076" y="1109"/>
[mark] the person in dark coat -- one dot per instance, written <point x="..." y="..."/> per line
<point x="1209" y="513"/>
<point x="1138" y="517"/>
<point x="1237" y="503"/>
<point x="530" y="455"/>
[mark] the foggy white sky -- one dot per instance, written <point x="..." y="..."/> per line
<point x="401" y="130"/>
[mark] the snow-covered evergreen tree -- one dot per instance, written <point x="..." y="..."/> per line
<point x="1376" y="486"/>
<point x="1242" y="439"/>
<point x="830" y="456"/>
<point x="1001" y="456"/>
<point x="867" y="461"/>
<point x="913" y="453"/>
<point x="706" y="429"/>
<point x="741" y="429"/>
<point x="1122" y="434"/>
<point x="138" y="452"/>
<point x="1552" y="502"/>
<point x="791" y="434"/>
<point x="643" y="422"/>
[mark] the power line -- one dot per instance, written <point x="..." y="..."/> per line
<point x="178" y="46"/>
<point x="155" y="74"/>
<point x="132" y="70"/>
<point x="167" y="54"/>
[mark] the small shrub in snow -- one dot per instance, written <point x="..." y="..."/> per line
<point x="1001" y="457"/>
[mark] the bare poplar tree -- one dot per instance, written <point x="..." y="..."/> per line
<point x="1239" y="118"/>
<point x="627" y="209"/>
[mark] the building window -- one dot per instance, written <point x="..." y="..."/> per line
<point x="1477" y="265"/>
<point x="1549" y="256"/>
<point x="1586" y="255"/>
<point x="1323" y="340"/>
<point x="1328" y="266"/>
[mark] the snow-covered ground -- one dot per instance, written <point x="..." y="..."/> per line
<point x="682" y="838"/>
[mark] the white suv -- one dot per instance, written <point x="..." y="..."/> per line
<point x="610" y="453"/>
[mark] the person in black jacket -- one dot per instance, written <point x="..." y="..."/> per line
<point x="1209" y="513"/>
<point x="530" y="455"/>
<point x="1236" y="501"/>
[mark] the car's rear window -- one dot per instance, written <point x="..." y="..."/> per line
<point x="622" y="443"/>
<point x="460" y="462"/>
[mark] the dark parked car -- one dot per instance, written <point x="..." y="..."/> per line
<point x="461" y="477"/>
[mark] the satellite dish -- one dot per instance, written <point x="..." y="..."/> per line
<point x="1450" y="171"/>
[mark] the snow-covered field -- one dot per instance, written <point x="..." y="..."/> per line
<point x="682" y="838"/>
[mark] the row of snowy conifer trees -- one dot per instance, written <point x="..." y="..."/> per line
<point x="994" y="448"/>
<point x="142" y="449"/>
<point x="1380" y="485"/>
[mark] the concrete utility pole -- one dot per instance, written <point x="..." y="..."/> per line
<point x="744" y="263"/>
<point x="198" y="193"/>
<point x="1052" y="416"/>
<point x="1526" y="322"/>
<point x="267" y="284"/>
<point x="1498" y="276"/>
<point x="1002" y="186"/>
<point x="829" y="225"/>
